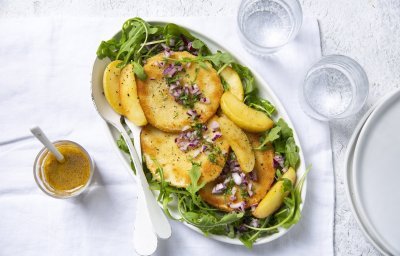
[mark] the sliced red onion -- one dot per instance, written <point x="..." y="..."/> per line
<point x="189" y="46"/>
<point x="179" y="67"/>
<point x="165" y="47"/>
<point x="253" y="207"/>
<point x="216" y="136"/>
<point x="181" y="48"/>
<point x="188" y="140"/>
<point x="172" y="41"/>
<point x="193" y="114"/>
<point x="185" y="40"/>
<point x="205" y="100"/>
<point x="233" y="194"/>
<point x="242" y="228"/>
<point x="196" y="153"/>
<point x="219" y="188"/>
<point x="249" y="189"/>
<point x="254" y="222"/>
<point x="186" y="90"/>
<point x="214" y="125"/>
<point x="170" y="70"/>
<point x="203" y="148"/>
<point x="185" y="128"/>
<point x="244" y="178"/>
<point x="184" y="146"/>
<point x="167" y="54"/>
<point x="253" y="175"/>
<point x="238" y="206"/>
<point x="234" y="166"/>
<point x="279" y="161"/>
<point x="227" y="180"/>
<point x="236" y="178"/>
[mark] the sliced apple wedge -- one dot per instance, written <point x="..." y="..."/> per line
<point x="243" y="116"/>
<point x="129" y="97"/>
<point x="274" y="198"/>
<point x="239" y="143"/>
<point x="235" y="84"/>
<point x="111" y="86"/>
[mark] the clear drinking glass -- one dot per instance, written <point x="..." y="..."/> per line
<point x="38" y="172"/>
<point x="267" y="25"/>
<point x="335" y="87"/>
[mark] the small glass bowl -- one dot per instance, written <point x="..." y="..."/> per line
<point x="38" y="172"/>
<point x="266" y="26"/>
<point x="335" y="87"/>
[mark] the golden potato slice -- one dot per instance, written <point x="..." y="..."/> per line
<point x="111" y="86"/>
<point x="160" y="150"/>
<point x="235" y="84"/>
<point x="264" y="171"/>
<point x="161" y="109"/>
<point x="274" y="198"/>
<point x="239" y="143"/>
<point x="243" y="116"/>
<point x="129" y="98"/>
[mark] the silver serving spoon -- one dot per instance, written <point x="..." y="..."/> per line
<point x="146" y="242"/>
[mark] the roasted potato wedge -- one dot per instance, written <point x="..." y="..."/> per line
<point x="239" y="143"/>
<point x="232" y="78"/>
<point x="129" y="98"/>
<point x="111" y="86"/>
<point x="274" y="198"/>
<point x="243" y="116"/>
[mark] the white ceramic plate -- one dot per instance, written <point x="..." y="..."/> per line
<point x="349" y="171"/>
<point x="265" y="92"/>
<point x="374" y="176"/>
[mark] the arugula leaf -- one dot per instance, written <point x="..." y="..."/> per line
<point x="225" y="84"/>
<point x="286" y="131"/>
<point x="194" y="175"/>
<point x="251" y="91"/>
<point x="260" y="104"/>
<point x="292" y="153"/>
<point x="139" y="71"/>
<point x="219" y="60"/>
<point x="197" y="44"/>
<point x="129" y="44"/>
<point x="108" y="49"/>
<point x="202" y="220"/>
<point x="123" y="147"/>
<point x="173" y="30"/>
<point x="122" y="144"/>
<point x="247" y="79"/>
<point x="269" y="136"/>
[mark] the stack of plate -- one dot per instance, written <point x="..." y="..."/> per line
<point x="373" y="174"/>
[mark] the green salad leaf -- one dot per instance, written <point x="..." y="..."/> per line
<point x="282" y="138"/>
<point x="251" y="92"/>
<point x="194" y="175"/>
<point x="269" y="136"/>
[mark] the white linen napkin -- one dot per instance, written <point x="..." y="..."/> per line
<point x="45" y="80"/>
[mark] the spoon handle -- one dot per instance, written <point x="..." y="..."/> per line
<point x="144" y="238"/>
<point x="160" y="223"/>
<point x="39" y="134"/>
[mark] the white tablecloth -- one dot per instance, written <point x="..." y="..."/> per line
<point x="45" y="79"/>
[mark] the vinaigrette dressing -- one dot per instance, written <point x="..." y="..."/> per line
<point x="72" y="174"/>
